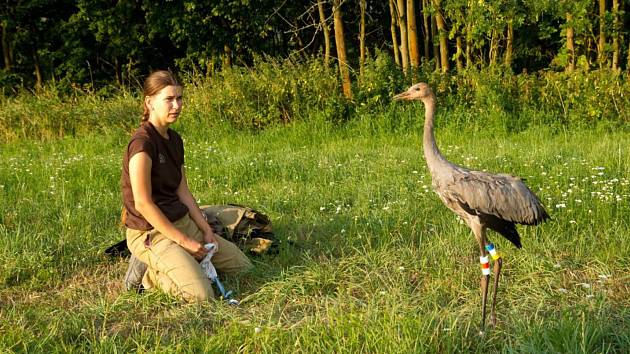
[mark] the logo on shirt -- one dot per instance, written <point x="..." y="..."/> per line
<point x="162" y="158"/>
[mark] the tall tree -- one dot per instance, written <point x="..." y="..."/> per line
<point x="412" y="34"/>
<point x="458" y="52"/>
<point x="6" y="50"/>
<point x="39" y="78"/>
<point x="469" y="41"/>
<point x="426" y="29"/>
<point x="324" y="25"/>
<point x="457" y="19"/>
<point x="117" y="31"/>
<point x="404" y="43"/>
<point x="615" y="35"/>
<point x="570" y="34"/>
<point x="436" y="43"/>
<point x="577" y="31"/>
<point x="8" y="19"/>
<point x="340" y="43"/>
<point x="362" y="6"/>
<point x="509" y="44"/>
<point x="32" y="36"/>
<point x="393" y="24"/>
<point x="443" y="36"/>
<point x="601" y="44"/>
<point x="493" y="52"/>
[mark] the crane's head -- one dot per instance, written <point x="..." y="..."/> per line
<point x="419" y="92"/>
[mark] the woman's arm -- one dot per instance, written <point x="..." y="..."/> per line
<point x="193" y="209"/>
<point x="140" y="178"/>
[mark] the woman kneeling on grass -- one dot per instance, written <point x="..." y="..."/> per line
<point x="166" y="230"/>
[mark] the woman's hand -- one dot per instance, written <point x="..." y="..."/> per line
<point x="196" y="249"/>
<point x="210" y="237"/>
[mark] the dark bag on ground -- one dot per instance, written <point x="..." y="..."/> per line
<point x="248" y="228"/>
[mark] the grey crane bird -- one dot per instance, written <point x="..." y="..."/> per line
<point x="483" y="200"/>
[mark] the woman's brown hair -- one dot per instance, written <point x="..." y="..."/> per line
<point x="153" y="84"/>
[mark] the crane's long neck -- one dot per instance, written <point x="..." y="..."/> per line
<point x="431" y="152"/>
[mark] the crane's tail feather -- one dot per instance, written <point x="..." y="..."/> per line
<point x="543" y="216"/>
<point x="507" y="229"/>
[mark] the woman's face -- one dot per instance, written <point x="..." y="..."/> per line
<point x="165" y="106"/>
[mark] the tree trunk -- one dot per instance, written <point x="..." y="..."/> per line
<point x="439" y="21"/>
<point x="362" y="5"/>
<point x="570" y="44"/>
<point x="117" y="71"/>
<point x="5" y="50"/>
<point x="494" y="47"/>
<point x="589" y="50"/>
<point x="322" y="22"/>
<point x="436" y="46"/>
<point x="468" y="45"/>
<point x="412" y="34"/>
<point x="227" y="56"/>
<point x="427" y="29"/>
<point x="509" y="44"/>
<point x="394" y="23"/>
<point x="459" y="53"/>
<point x="402" y="25"/>
<point x="39" y="83"/>
<point x="615" y="39"/>
<point x="340" y="43"/>
<point x="601" y="56"/>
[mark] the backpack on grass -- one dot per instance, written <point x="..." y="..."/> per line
<point x="248" y="228"/>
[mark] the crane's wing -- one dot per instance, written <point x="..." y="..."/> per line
<point x="502" y="196"/>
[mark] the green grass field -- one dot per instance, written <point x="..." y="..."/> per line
<point x="372" y="262"/>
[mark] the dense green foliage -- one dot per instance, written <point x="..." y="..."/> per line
<point x="96" y="45"/>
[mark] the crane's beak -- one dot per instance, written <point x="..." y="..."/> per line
<point x="402" y="96"/>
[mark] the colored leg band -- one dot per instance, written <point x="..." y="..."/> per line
<point x="493" y="251"/>
<point x="485" y="265"/>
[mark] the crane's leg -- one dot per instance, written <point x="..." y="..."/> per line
<point x="498" y="264"/>
<point x="480" y="234"/>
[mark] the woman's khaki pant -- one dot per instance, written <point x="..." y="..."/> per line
<point x="174" y="270"/>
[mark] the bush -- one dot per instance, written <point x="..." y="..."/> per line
<point x="276" y="92"/>
<point x="9" y="82"/>
<point x="273" y="92"/>
<point x="46" y="115"/>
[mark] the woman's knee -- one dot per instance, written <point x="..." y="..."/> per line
<point x="197" y="292"/>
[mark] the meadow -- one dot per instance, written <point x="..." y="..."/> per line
<point x="370" y="262"/>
